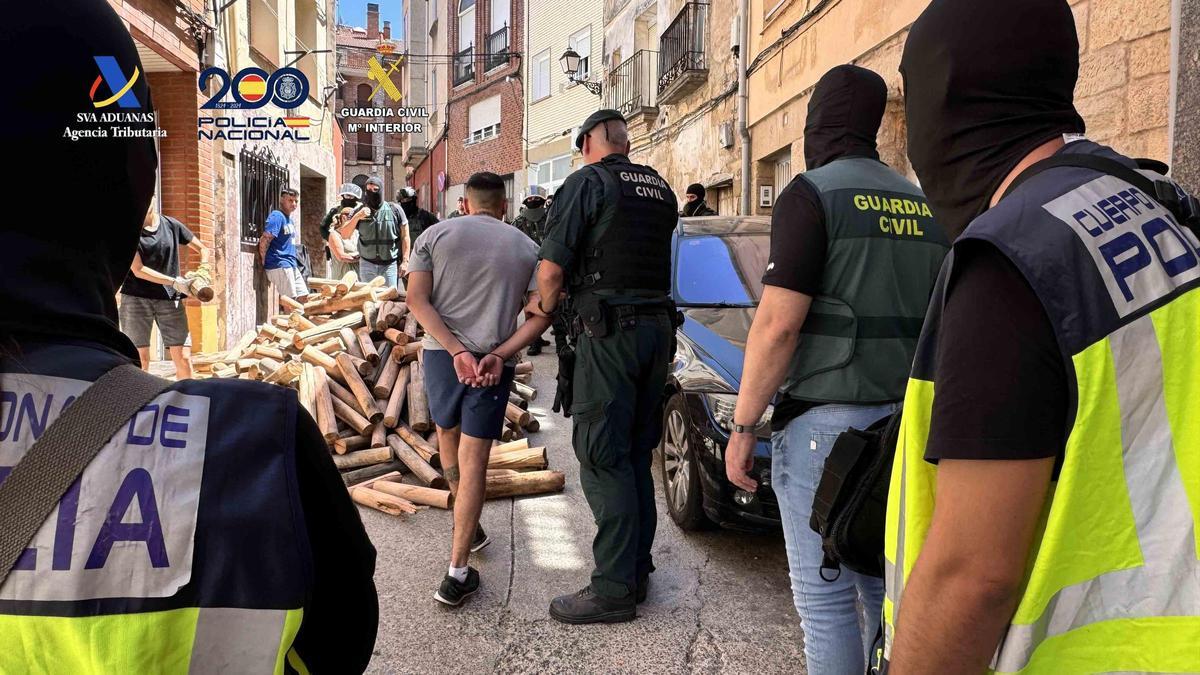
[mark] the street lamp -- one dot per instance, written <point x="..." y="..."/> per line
<point x="570" y="65"/>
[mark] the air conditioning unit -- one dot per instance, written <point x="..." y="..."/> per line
<point x="725" y="135"/>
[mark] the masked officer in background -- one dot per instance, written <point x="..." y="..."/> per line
<point x="383" y="243"/>
<point x="419" y="219"/>
<point x="532" y="218"/>
<point x="1043" y="510"/>
<point x="609" y="246"/>
<point x="176" y="550"/>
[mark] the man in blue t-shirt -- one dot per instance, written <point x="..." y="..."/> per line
<point x="277" y="249"/>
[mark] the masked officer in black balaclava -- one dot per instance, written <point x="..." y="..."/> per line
<point x="419" y="219"/>
<point x="854" y="255"/>
<point x="695" y="205"/>
<point x="231" y="559"/>
<point x="383" y="243"/>
<point x="532" y="218"/>
<point x="1040" y="519"/>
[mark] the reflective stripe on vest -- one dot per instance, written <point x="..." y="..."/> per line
<point x="1114" y="573"/>
<point x="1159" y="575"/>
<point x="193" y="640"/>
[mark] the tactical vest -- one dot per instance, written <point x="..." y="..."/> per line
<point x="1113" y="581"/>
<point x="629" y="246"/>
<point x="882" y="258"/>
<point x="379" y="235"/>
<point x="182" y="548"/>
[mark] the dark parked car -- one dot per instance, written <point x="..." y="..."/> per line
<point x="718" y="263"/>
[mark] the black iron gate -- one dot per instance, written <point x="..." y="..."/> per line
<point x="262" y="179"/>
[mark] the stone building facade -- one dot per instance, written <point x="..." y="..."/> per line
<point x="672" y="70"/>
<point x="1123" y="90"/>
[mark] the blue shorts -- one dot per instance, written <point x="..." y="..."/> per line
<point x="480" y="411"/>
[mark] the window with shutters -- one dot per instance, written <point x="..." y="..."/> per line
<point x="484" y="120"/>
<point x="581" y="42"/>
<point x="541" y="76"/>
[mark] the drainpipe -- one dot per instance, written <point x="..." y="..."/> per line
<point x="743" y="104"/>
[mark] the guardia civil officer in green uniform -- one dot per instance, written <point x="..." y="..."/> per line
<point x="855" y="252"/>
<point x="608" y="245"/>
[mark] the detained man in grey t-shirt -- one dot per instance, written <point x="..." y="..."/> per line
<point x="470" y="278"/>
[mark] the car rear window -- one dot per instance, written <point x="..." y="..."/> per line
<point x="721" y="269"/>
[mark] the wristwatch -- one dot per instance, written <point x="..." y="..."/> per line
<point x="743" y="429"/>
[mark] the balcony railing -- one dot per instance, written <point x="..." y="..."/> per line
<point x="683" y="64"/>
<point x="497" y="49"/>
<point x="464" y="66"/>
<point x="630" y="87"/>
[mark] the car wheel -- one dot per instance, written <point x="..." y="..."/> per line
<point x="680" y="469"/>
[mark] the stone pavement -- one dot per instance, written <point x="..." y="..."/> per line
<point x="719" y="602"/>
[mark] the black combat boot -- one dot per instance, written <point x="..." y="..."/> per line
<point x="587" y="607"/>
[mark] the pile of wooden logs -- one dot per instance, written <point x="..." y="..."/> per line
<point x="352" y="352"/>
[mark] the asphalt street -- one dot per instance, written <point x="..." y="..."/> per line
<point x="719" y="601"/>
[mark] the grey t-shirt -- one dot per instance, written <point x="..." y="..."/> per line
<point x="482" y="269"/>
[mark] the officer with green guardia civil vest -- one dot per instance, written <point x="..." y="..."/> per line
<point x="1046" y="488"/>
<point x="854" y="255"/>
<point x="609" y="245"/>
<point x="383" y="243"/>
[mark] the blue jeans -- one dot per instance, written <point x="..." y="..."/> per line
<point x="834" y="644"/>
<point x="368" y="270"/>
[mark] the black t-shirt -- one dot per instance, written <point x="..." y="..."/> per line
<point x="798" y="247"/>
<point x="159" y="251"/>
<point x="798" y="239"/>
<point x="1001" y="383"/>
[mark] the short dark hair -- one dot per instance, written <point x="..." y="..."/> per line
<point x="289" y="191"/>
<point x="486" y="191"/>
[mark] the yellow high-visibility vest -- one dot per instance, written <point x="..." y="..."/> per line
<point x="1113" y="578"/>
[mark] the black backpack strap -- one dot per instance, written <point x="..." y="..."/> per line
<point x="1183" y="206"/>
<point x="31" y="492"/>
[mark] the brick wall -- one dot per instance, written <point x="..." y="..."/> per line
<point x="505" y="153"/>
<point x="186" y="165"/>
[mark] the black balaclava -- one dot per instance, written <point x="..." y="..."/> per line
<point x="985" y="84"/>
<point x="373" y="198"/>
<point x="59" y="280"/>
<point x="844" y="113"/>
<point x="690" y="208"/>
<point x="349" y="202"/>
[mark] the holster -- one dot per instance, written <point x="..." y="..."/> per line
<point x="593" y="317"/>
<point x="564" y="392"/>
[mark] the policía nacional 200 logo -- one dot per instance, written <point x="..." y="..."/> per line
<point x="251" y="89"/>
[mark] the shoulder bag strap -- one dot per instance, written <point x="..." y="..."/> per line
<point x="32" y="490"/>
<point x="1183" y="206"/>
